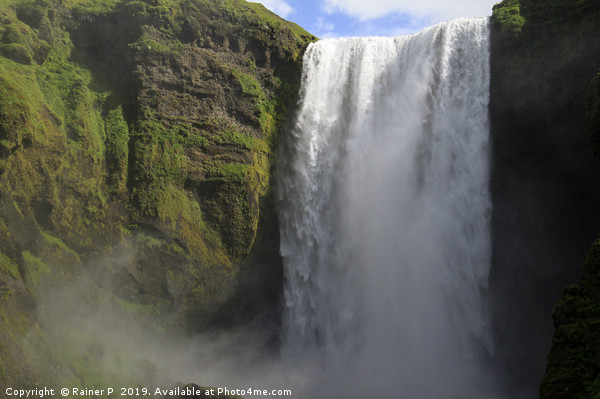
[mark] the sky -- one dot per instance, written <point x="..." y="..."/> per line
<point x="337" y="18"/>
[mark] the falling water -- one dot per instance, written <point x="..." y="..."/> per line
<point x="385" y="214"/>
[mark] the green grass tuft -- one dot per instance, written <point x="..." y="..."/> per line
<point x="508" y="15"/>
<point x="117" y="150"/>
<point x="58" y="243"/>
<point x="8" y="266"/>
<point x="36" y="269"/>
<point x="248" y="83"/>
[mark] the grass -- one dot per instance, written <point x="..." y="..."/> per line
<point x="36" y="269"/>
<point x="234" y="172"/>
<point x="20" y="105"/>
<point x="541" y="23"/>
<point x="136" y="309"/>
<point x="59" y="244"/>
<point x="508" y="15"/>
<point x="117" y="150"/>
<point x="149" y="45"/>
<point x="249" y="84"/>
<point x="235" y="138"/>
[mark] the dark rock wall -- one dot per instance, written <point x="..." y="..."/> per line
<point x="545" y="180"/>
<point x="574" y="360"/>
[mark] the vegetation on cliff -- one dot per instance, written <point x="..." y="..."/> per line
<point x="136" y="155"/>
<point x="574" y="361"/>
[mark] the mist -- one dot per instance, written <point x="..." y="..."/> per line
<point x="109" y="342"/>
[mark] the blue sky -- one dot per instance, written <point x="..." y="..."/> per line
<point x="335" y="18"/>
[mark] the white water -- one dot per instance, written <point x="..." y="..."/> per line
<point x="385" y="215"/>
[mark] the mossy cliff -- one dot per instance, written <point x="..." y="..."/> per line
<point x="546" y="189"/>
<point x="136" y="142"/>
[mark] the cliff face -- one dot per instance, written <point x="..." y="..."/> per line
<point x="544" y="176"/>
<point x="136" y="142"/>
<point x="574" y="360"/>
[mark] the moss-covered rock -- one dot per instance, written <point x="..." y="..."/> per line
<point x="574" y="362"/>
<point x="507" y="15"/>
<point x="136" y="155"/>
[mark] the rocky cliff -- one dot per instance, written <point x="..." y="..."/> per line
<point x="545" y="188"/>
<point x="574" y="361"/>
<point x="136" y="142"/>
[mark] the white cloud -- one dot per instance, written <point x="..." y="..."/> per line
<point x="322" y="25"/>
<point x="323" y="29"/>
<point x="436" y="9"/>
<point x="279" y="7"/>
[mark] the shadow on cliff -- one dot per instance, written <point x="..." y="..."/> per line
<point x="544" y="174"/>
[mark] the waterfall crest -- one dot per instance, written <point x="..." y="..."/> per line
<point x="385" y="214"/>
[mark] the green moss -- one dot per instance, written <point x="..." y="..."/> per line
<point x="8" y="266"/>
<point x="266" y="106"/>
<point x="117" y="150"/>
<point x="575" y="347"/>
<point x="136" y="309"/>
<point x="7" y="244"/>
<point x="65" y="86"/>
<point x="574" y="359"/>
<point x="179" y="212"/>
<point x="592" y="389"/>
<point x="17" y="52"/>
<point x="249" y="84"/>
<point x="35" y="268"/>
<point x="231" y="171"/>
<point x="60" y="245"/>
<point x="508" y="15"/>
<point x="236" y="138"/>
<point x="195" y="140"/>
<point x="149" y="45"/>
<point x="251" y="65"/>
<point x="18" y="33"/>
<point x="147" y="242"/>
<point x="268" y="117"/>
<point x="19" y="43"/>
<point x="91" y="6"/>
<point x="20" y="105"/>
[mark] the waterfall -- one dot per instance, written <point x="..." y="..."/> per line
<point x="385" y="214"/>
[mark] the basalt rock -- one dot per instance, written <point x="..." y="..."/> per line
<point x="544" y="179"/>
